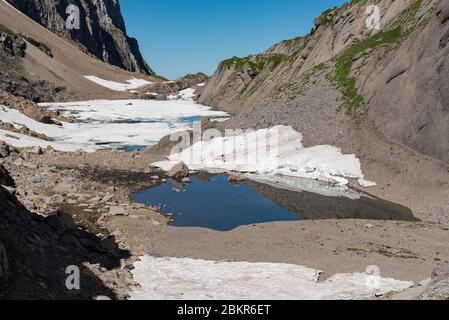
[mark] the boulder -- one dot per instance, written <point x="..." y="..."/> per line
<point x="4" y="151"/>
<point x="63" y="188"/>
<point x="5" y="178"/>
<point x="236" y="178"/>
<point x="179" y="171"/>
<point x="117" y="211"/>
<point x="66" y="219"/>
<point x="108" y="244"/>
<point x="186" y="180"/>
<point x="61" y="222"/>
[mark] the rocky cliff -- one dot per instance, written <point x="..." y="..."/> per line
<point x="393" y="80"/>
<point x="102" y="29"/>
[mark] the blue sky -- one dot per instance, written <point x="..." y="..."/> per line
<point x="177" y="37"/>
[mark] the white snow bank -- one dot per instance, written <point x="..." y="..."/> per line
<point x="308" y="185"/>
<point x="24" y="141"/>
<point x="186" y="94"/>
<point x="188" y="279"/>
<point x="131" y="84"/>
<point x="109" y="124"/>
<point x="269" y="152"/>
<point x="220" y="119"/>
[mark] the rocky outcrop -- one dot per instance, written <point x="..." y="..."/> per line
<point x="36" y="252"/>
<point x="394" y="79"/>
<point x="102" y="29"/>
<point x="5" y="178"/>
<point x="12" y="45"/>
<point x="31" y="109"/>
<point x="160" y="90"/>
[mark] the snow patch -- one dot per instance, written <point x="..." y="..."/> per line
<point x="186" y="94"/>
<point x="189" y="279"/>
<point x="366" y="184"/>
<point x="269" y="152"/>
<point x="131" y="84"/>
<point x="108" y="123"/>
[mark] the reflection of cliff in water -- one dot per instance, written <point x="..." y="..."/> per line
<point x="313" y="206"/>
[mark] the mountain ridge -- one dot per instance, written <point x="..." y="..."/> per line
<point x="382" y="82"/>
<point x="102" y="30"/>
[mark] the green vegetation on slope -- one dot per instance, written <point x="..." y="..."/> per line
<point x="398" y="31"/>
<point x="6" y="30"/>
<point x="256" y="63"/>
<point x="343" y="63"/>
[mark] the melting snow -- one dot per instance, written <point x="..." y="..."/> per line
<point x="188" y="279"/>
<point x="186" y="94"/>
<point x="105" y="123"/>
<point x="131" y="84"/>
<point x="271" y="152"/>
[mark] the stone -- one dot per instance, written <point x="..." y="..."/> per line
<point x="5" y="177"/>
<point x="108" y="244"/>
<point x="4" y="151"/>
<point x="111" y="189"/>
<point x="116" y="211"/>
<point x="185" y="180"/>
<point x="155" y="178"/>
<point x="107" y="197"/>
<point x="57" y="198"/>
<point x="236" y="178"/>
<point x="66" y="219"/>
<point x="61" y="222"/>
<point x="179" y="171"/>
<point x="36" y="150"/>
<point x="63" y="188"/>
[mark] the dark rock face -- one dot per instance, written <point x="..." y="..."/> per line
<point x="102" y="29"/>
<point x="5" y="178"/>
<point x="12" y="45"/>
<point x="173" y="87"/>
<point x="35" y="252"/>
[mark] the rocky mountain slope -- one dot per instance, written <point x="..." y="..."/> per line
<point x="102" y="29"/>
<point x="40" y="65"/>
<point x="343" y="78"/>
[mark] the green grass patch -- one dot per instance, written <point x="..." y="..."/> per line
<point x="352" y="100"/>
<point x="7" y="30"/>
<point x="293" y="89"/>
<point x="256" y="63"/>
